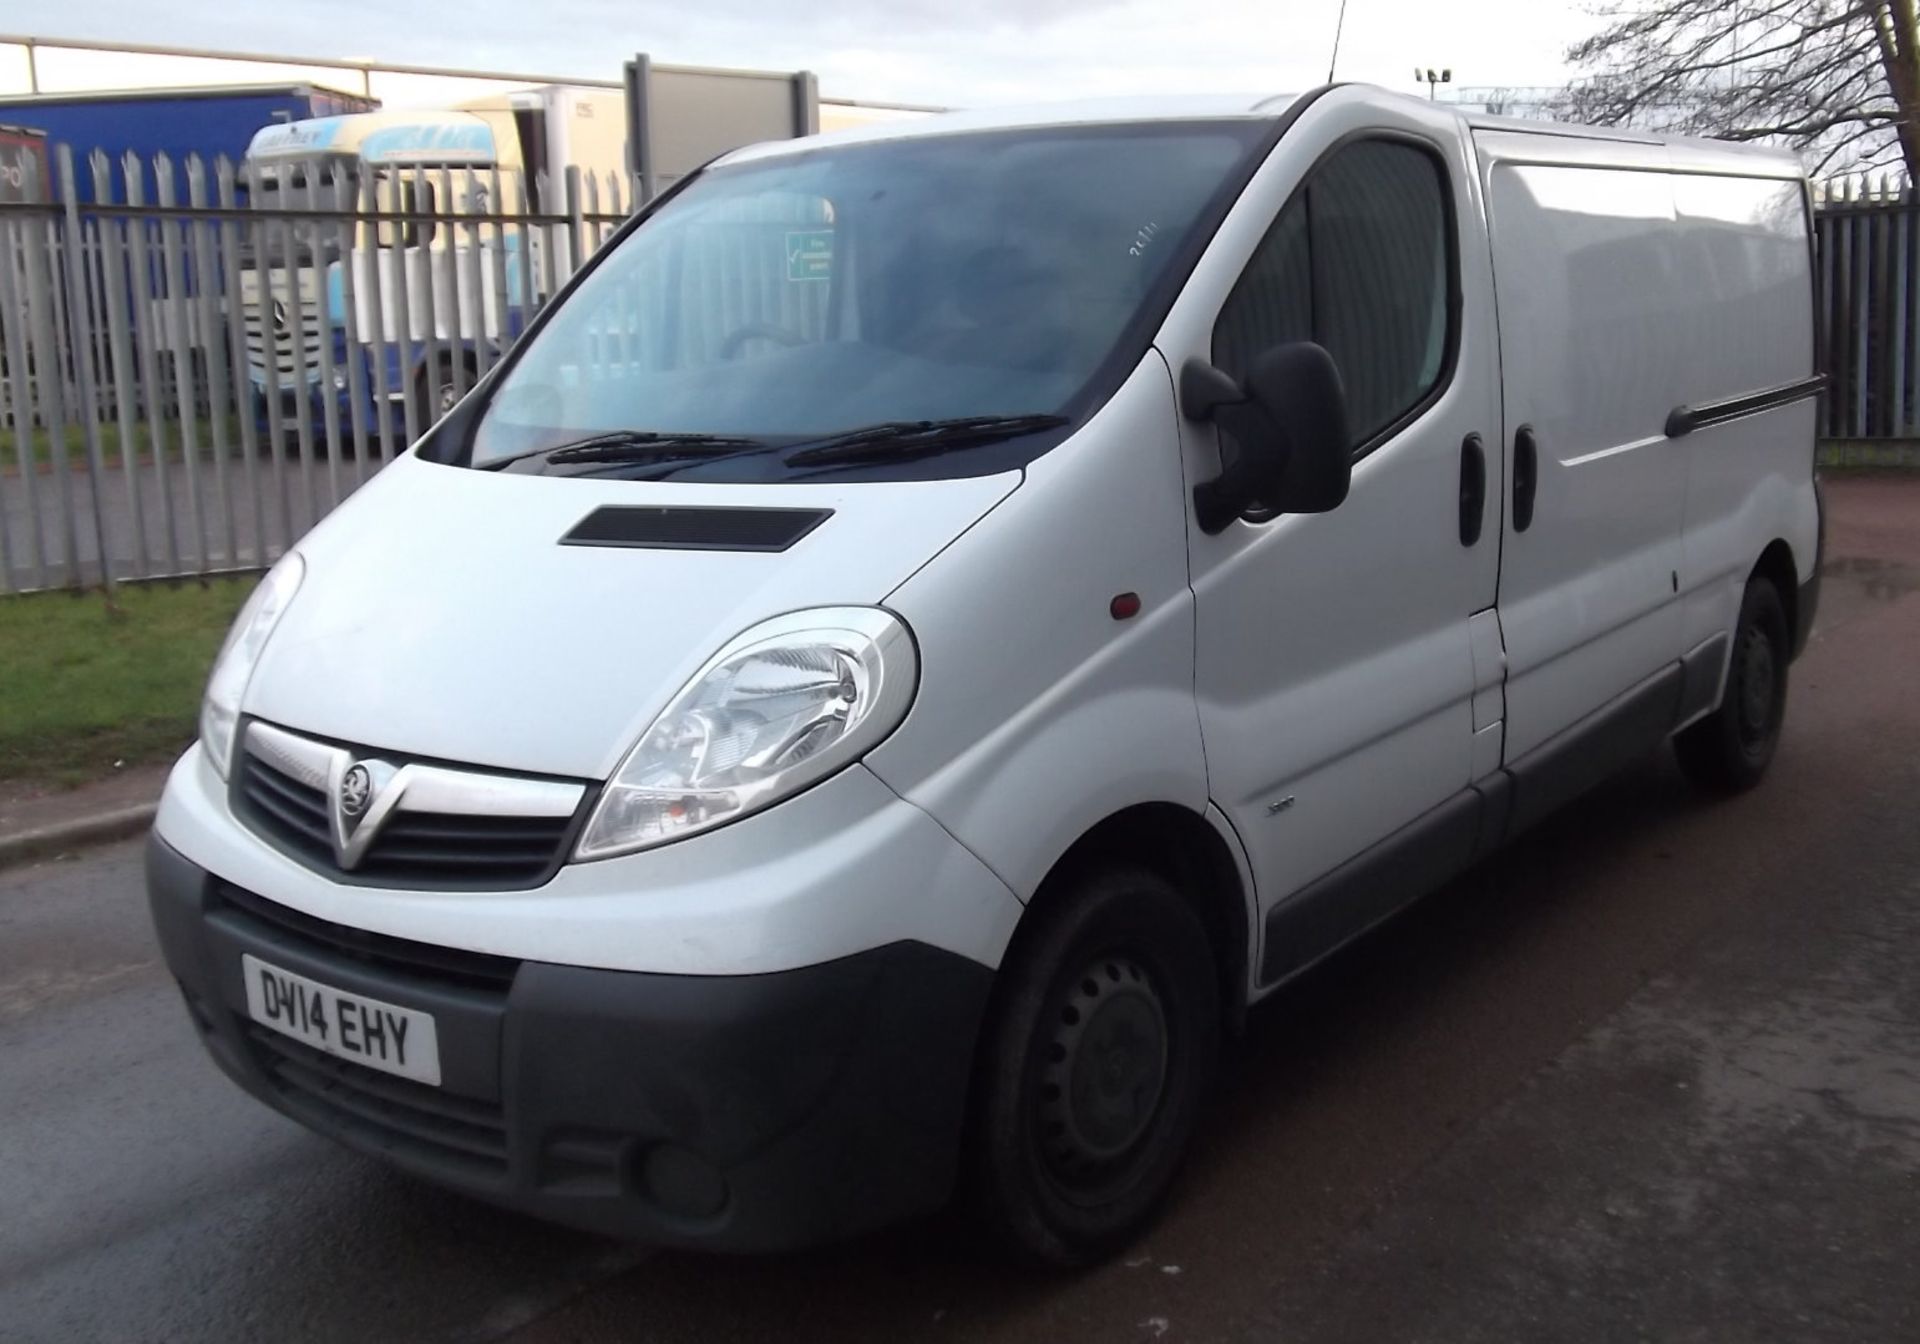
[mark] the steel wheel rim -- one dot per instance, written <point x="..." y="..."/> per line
<point x="1756" y="688"/>
<point x="1104" y="1072"/>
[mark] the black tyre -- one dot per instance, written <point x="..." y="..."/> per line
<point x="1730" y="749"/>
<point x="1102" y="1043"/>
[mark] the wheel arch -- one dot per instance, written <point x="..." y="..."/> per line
<point x="1777" y="566"/>
<point x="1197" y="855"/>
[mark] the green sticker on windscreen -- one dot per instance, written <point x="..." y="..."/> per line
<point x="810" y="255"/>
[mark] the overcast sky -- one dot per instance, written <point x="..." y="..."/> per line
<point x="930" y="51"/>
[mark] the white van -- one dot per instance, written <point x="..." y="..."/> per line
<point x="937" y="620"/>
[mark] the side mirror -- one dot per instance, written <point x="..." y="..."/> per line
<point x="1290" y="423"/>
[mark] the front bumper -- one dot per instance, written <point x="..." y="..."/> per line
<point x="308" y="402"/>
<point x="749" y="1113"/>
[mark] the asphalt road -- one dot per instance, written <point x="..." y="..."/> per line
<point x="1653" y="1073"/>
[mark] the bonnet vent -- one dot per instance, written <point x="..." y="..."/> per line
<point x="695" y="529"/>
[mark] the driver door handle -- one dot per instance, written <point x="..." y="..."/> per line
<point x="1473" y="488"/>
<point x="1526" y="476"/>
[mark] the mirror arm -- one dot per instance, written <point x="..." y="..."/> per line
<point x="1216" y="504"/>
<point x="1204" y="389"/>
<point x="1207" y="393"/>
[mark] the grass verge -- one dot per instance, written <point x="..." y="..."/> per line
<point x="87" y="687"/>
<point x="41" y="443"/>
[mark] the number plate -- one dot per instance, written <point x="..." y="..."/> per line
<point x="379" y="1035"/>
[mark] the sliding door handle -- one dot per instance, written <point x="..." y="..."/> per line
<point x="1473" y="488"/>
<point x="1526" y="476"/>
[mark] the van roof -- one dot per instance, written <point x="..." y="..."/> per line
<point x="1686" y="150"/>
<point x="1078" y="112"/>
<point x="1253" y="106"/>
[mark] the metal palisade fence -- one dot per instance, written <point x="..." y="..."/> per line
<point x="197" y="364"/>
<point x="1868" y="248"/>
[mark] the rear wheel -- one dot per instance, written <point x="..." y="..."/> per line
<point x="1104" y="1036"/>
<point x="1730" y="749"/>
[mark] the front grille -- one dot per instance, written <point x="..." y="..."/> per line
<point x="402" y="1117"/>
<point x="420" y="962"/>
<point x="267" y="318"/>
<point x="294" y="359"/>
<point x="413" y="849"/>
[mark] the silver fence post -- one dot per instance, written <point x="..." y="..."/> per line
<point x="595" y="228"/>
<point x="10" y="412"/>
<point x="1910" y="309"/>
<point x="525" y="246"/>
<point x="175" y="314"/>
<point x="347" y="232"/>
<point x="1896" y="365"/>
<point x="429" y="299"/>
<point x="321" y="325"/>
<point x="15" y="231"/>
<point x="138" y="238"/>
<point x="456" y="329"/>
<point x="297" y="328"/>
<point x="377" y="253"/>
<point x="547" y="190"/>
<point x="403" y="312"/>
<point x="1862" y="267"/>
<point x="272" y="268"/>
<point x="126" y="392"/>
<point x="233" y="235"/>
<point x="79" y="321"/>
<point x="1880" y="227"/>
<point x="50" y="364"/>
<point x="497" y="270"/>
<point x="479" y="204"/>
<point x="576" y="231"/>
<point x="1825" y="233"/>
<point x="206" y="288"/>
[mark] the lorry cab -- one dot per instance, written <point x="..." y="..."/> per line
<point x="435" y="296"/>
<point x="937" y="620"/>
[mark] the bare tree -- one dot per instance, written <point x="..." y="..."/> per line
<point x="1837" y="79"/>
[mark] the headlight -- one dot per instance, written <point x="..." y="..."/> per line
<point x="783" y="706"/>
<point x="220" y="711"/>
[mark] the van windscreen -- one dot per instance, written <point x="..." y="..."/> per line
<point x="926" y="279"/>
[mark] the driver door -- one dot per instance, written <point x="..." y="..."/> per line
<point x="1336" y="657"/>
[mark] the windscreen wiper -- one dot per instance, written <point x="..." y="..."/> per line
<point x="642" y="445"/>
<point x="894" y="439"/>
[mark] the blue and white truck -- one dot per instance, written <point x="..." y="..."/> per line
<point x="431" y="299"/>
<point x="358" y="321"/>
<point x="209" y="122"/>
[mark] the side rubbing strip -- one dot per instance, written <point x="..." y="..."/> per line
<point x="695" y="529"/>
<point x="1685" y="419"/>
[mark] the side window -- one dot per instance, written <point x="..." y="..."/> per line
<point x="1357" y="261"/>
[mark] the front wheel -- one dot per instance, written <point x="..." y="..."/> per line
<point x="1730" y="749"/>
<point x="1103" y="1040"/>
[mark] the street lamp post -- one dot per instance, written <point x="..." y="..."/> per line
<point x="1432" y="80"/>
